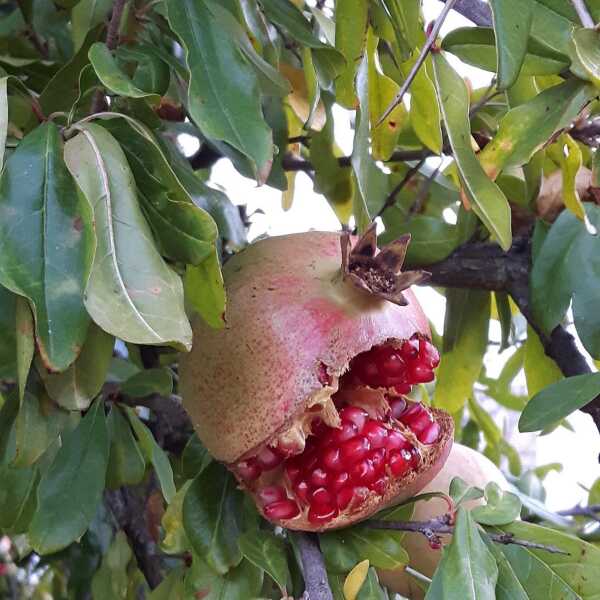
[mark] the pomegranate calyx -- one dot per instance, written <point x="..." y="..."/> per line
<point x="379" y="273"/>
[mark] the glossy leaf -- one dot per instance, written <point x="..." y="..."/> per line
<point x="153" y="454"/>
<point x="350" y="33"/>
<point x="468" y="556"/>
<point x="46" y="243"/>
<point x="87" y="15"/>
<point x="488" y="202"/>
<point x="512" y="22"/>
<point x="205" y="290"/>
<point x="211" y="517"/>
<point x="71" y="489"/>
<point x="465" y="342"/>
<point x="355" y="580"/>
<point x="554" y="576"/>
<point x="175" y="539"/>
<point x="501" y="507"/>
<point x="3" y="117"/>
<point x="171" y="587"/>
<point x="527" y="127"/>
<point x="75" y="388"/>
<point x="224" y="107"/>
<point x="267" y="552"/>
<point x="405" y="18"/>
<point x="25" y="342"/>
<point x="8" y="334"/>
<point x="551" y="28"/>
<point x="111" y="580"/>
<point x="112" y="76"/>
<point x="17" y="497"/>
<point x="149" y="381"/>
<point x="131" y="292"/>
<point x="558" y="401"/>
<point x="126" y="464"/>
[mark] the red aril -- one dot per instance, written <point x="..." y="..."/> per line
<point x="284" y="509"/>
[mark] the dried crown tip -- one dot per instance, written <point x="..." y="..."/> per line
<point x="379" y="273"/>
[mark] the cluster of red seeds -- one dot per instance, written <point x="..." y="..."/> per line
<point x="341" y="466"/>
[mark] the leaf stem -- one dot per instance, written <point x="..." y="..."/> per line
<point x="420" y="60"/>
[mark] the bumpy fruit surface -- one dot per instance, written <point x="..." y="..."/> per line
<point x="476" y="470"/>
<point x="303" y="395"/>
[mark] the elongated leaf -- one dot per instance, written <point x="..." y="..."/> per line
<point x="405" y="18"/>
<point x="211" y="517"/>
<point x="25" y="342"/>
<point x="468" y="556"/>
<point x="75" y="388"/>
<point x="87" y="15"/>
<point x="8" y="335"/>
<point x="558" y="401"/>
<point x="488" y="201"/>
<point x="223" y="93"/>
<point x="111" y="580"/>
<point x="355" y="580"/>
<point x="153" y="454"/>
<point x="46" y="243"/>
<point x="205" y="290"/>
<point x="71" y="489"/>
<point x="149" y="381"/>
<point x="476" y="46"/>
<point x="175" y="539"/>
<point x="553" y="576"/>
<point x="501" y="508"/>
<point x="512" y="22"/>
<point x="527" y="127"/>
<point x="112" y="76"/>
<point x="17" y="497"/>
<point x="267" y="552"/>
<point x="239" y="583"/>
<point x="465" y="341"/>
<point x="3" y="117"/>
<point x="350" y="33"/>
<point x="550" y="27"/>
<point x="585" y="55"/>
<point x="126" y="464"/>
<point x="131" y="292"/>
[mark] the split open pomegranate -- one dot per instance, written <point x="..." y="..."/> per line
<point x="304" y="396"/>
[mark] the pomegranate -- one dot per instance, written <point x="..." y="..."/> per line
<point x="476" y="470"/>
<point x="303" y="395"/>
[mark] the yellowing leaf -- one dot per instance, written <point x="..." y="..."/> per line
<point x="287" y="197"/>
<point x="355" y="580"/>
<point x="299" y="98"/>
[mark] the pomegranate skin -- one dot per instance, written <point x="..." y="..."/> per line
<point x="289" y="313"/>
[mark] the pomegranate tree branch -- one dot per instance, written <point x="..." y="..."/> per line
<point x="488" y="267"/>
<point x="477" y="11"/>
<point x="313" y="567"/>
<point x="437" y="526"/>
<point x="112" y="41"/>
<point x="583" y="13"/>
<point x="420" y="60"/>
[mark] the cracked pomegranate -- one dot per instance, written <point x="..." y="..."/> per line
<point x="303" y="396"/>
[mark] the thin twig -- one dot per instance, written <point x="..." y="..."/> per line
<point x="112" y="41"/>
<point x="433" y="528"/>
<point x="583" y="13"/>
<point x="34" y="38"/>
<point x="592" y="511"/>
<point x="391" y="198"/>
<point x="420" y="60"/>
<point x="477" y="11"/>
<point x="313" y="567"/>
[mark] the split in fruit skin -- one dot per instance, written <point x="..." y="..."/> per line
<point x="340" y="468"/>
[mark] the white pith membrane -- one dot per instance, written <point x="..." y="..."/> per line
<point x="334" y="460"/>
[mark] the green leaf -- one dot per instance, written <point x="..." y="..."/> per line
<point x="585" y="55"/>
<point x="350" y="33"/>
<point x="405" y="18"/>
<point x="71" y="489"/>
<point x="558" y="401"/>
<point x="205" y="291"/>
<point x="126" y="464"/>
<point x="239" y="583"/>
<point x="87" y="15"/>
<point x="553" y="576"/>
<point x="195" y="458"/>
<point x="527" y="127"/>
<point x="465" y="342"/>
<point x="153" y="454"/>
<point x="8" y="334"/>
<point x="550" y="27"/>
<point x="75" y="388"/>
<point x="131" y="292"/>
<point x="111" y="580"/>
<point x="3" y="117"/>
<point x="211" y="517"/>
<point x="151" y="73"/>
<point x="47" y="243"/>
<point x="461" y="492"/>
<point x="38" y="426"/>
<point x="540" y="369"/>
<point x="112" y="76"/>
<point x="371" y="589"/>
<point x="17" y="497"/>
<point x="175" y="539"/>
<point x="268" y="553"/>
<point x="149" y="381"/>
<point x="488" y="201"/>
<point x="171" y="587"/>
<point x="25" y="342"/>
<point x="469" y="557"/>
<point x="501" y="508"/>
<point x="223" y="95"/>
<point x="344" y="548"/>
<point x="512" y="22"/>
<point x="567" y="265"/>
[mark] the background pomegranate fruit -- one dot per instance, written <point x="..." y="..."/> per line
<point x="476" y="470"/>
<point x="303" y="394"/>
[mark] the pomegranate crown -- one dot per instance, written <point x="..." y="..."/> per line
<point x="379" y="273"/>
